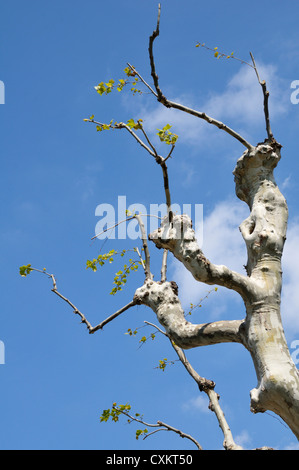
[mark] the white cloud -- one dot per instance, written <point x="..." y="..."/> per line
<point x="241" y="103"/>
<point x="222" y="244"/>
<point x="243" y="100"/>
<point x="200" y="403"/>
<point x="292" y="446"/>
<point x="287" y="183"/>
<point x="243" y="439"/>
<point x="290" y="290"/>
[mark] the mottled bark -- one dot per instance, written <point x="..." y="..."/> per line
<point x="264" y="232"/>
<point x="261" y="332"/>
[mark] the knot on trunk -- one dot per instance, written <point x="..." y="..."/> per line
<point x="172" y="234"/>
<point x="254" y="167"/>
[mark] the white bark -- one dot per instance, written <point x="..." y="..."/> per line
<point x="261" y="332"/>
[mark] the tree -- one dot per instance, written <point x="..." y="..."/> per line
<point x="264" y="232"/>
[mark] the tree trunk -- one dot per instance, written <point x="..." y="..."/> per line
<point x="264" y="232"/>
<point x="261" y="332"/>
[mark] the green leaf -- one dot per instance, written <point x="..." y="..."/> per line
<point x="129" y="72"/>
<point x="100" y="88"/>
<point x="166" y="136"/>
<point x="134" y="125"/>
<point x="25" y="270"/>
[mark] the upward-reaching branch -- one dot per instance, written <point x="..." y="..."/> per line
<point x="156" y="33"/>
<point x="148" y="274"/>
<point x="266" y="99"/>
<point x="91" y="329"/>
<point x="207" y="386"/>
<point x="162" y="162"/>
<point x="171" y="104"/>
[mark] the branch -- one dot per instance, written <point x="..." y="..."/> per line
<point x="180" y="239"/>
<point x="162" y="298"/>
<point x="153" y="152"/>
<point x="210" y="120"/>
<point x="142" y="79"/>
<point x="162" y="426"/>
<point x="266" y="99"/>
<point x="140" y="257"/>
<point x="161" y="161"/>
<point x="170" y="104"/>
<point x="112" y="226"/>
<point x="91" y="329"/>
<point x="164" y="265"/>
<point x="228" y="443"/>
<point x="114" y="315"/>
<point x="220" y="54"/>
<point x="182" y="434"/>
<point x="206" y="386"/>
<point x="148" y="274"/>
<point x="155" y="34"/>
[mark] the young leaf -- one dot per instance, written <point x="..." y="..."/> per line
<point x="165" y="135"/>
<point x="25" y="270"/>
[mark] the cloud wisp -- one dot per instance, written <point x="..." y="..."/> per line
<point x="239" y="105"/>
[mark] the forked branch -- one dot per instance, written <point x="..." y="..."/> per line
<point x="91" y="329"/>
<point x="206" y="386"/>
<point x="171" y="104"/>
<point x="149" y="147"/>
<point x="159" y="426"/>
<point x="266" y="99"/>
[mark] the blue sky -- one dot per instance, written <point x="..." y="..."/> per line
<point x="56" y="169"/>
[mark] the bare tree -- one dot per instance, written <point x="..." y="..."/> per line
<point x="264" y="233"/>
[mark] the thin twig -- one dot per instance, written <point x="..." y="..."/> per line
<point x="154" y="75"/>
<point x="223" y="54"/>
<point x="148" y="274"/>
<point x="159" y="159"/>
<point x="164" y="265"/>
<point x="140" y="257"/>
<point x="206" y="386"/>
<point x="149" y="143"/>
<point x="182" y="434"/>
<point x="125" y="126"/>
<point x="142" y="79"/>
<point x="266" y="99"/>
<point x="114" y="315"/>
<point x="163" y="426"/>
<point x="170" y="104"/>
<point x="112" y="227"/>
<point x="155" y="326"/>
<point x="169" y="155"/>
<point x="122" y="221"/>
<point x="210" y="120"/>
<point x="91" y="329"/>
